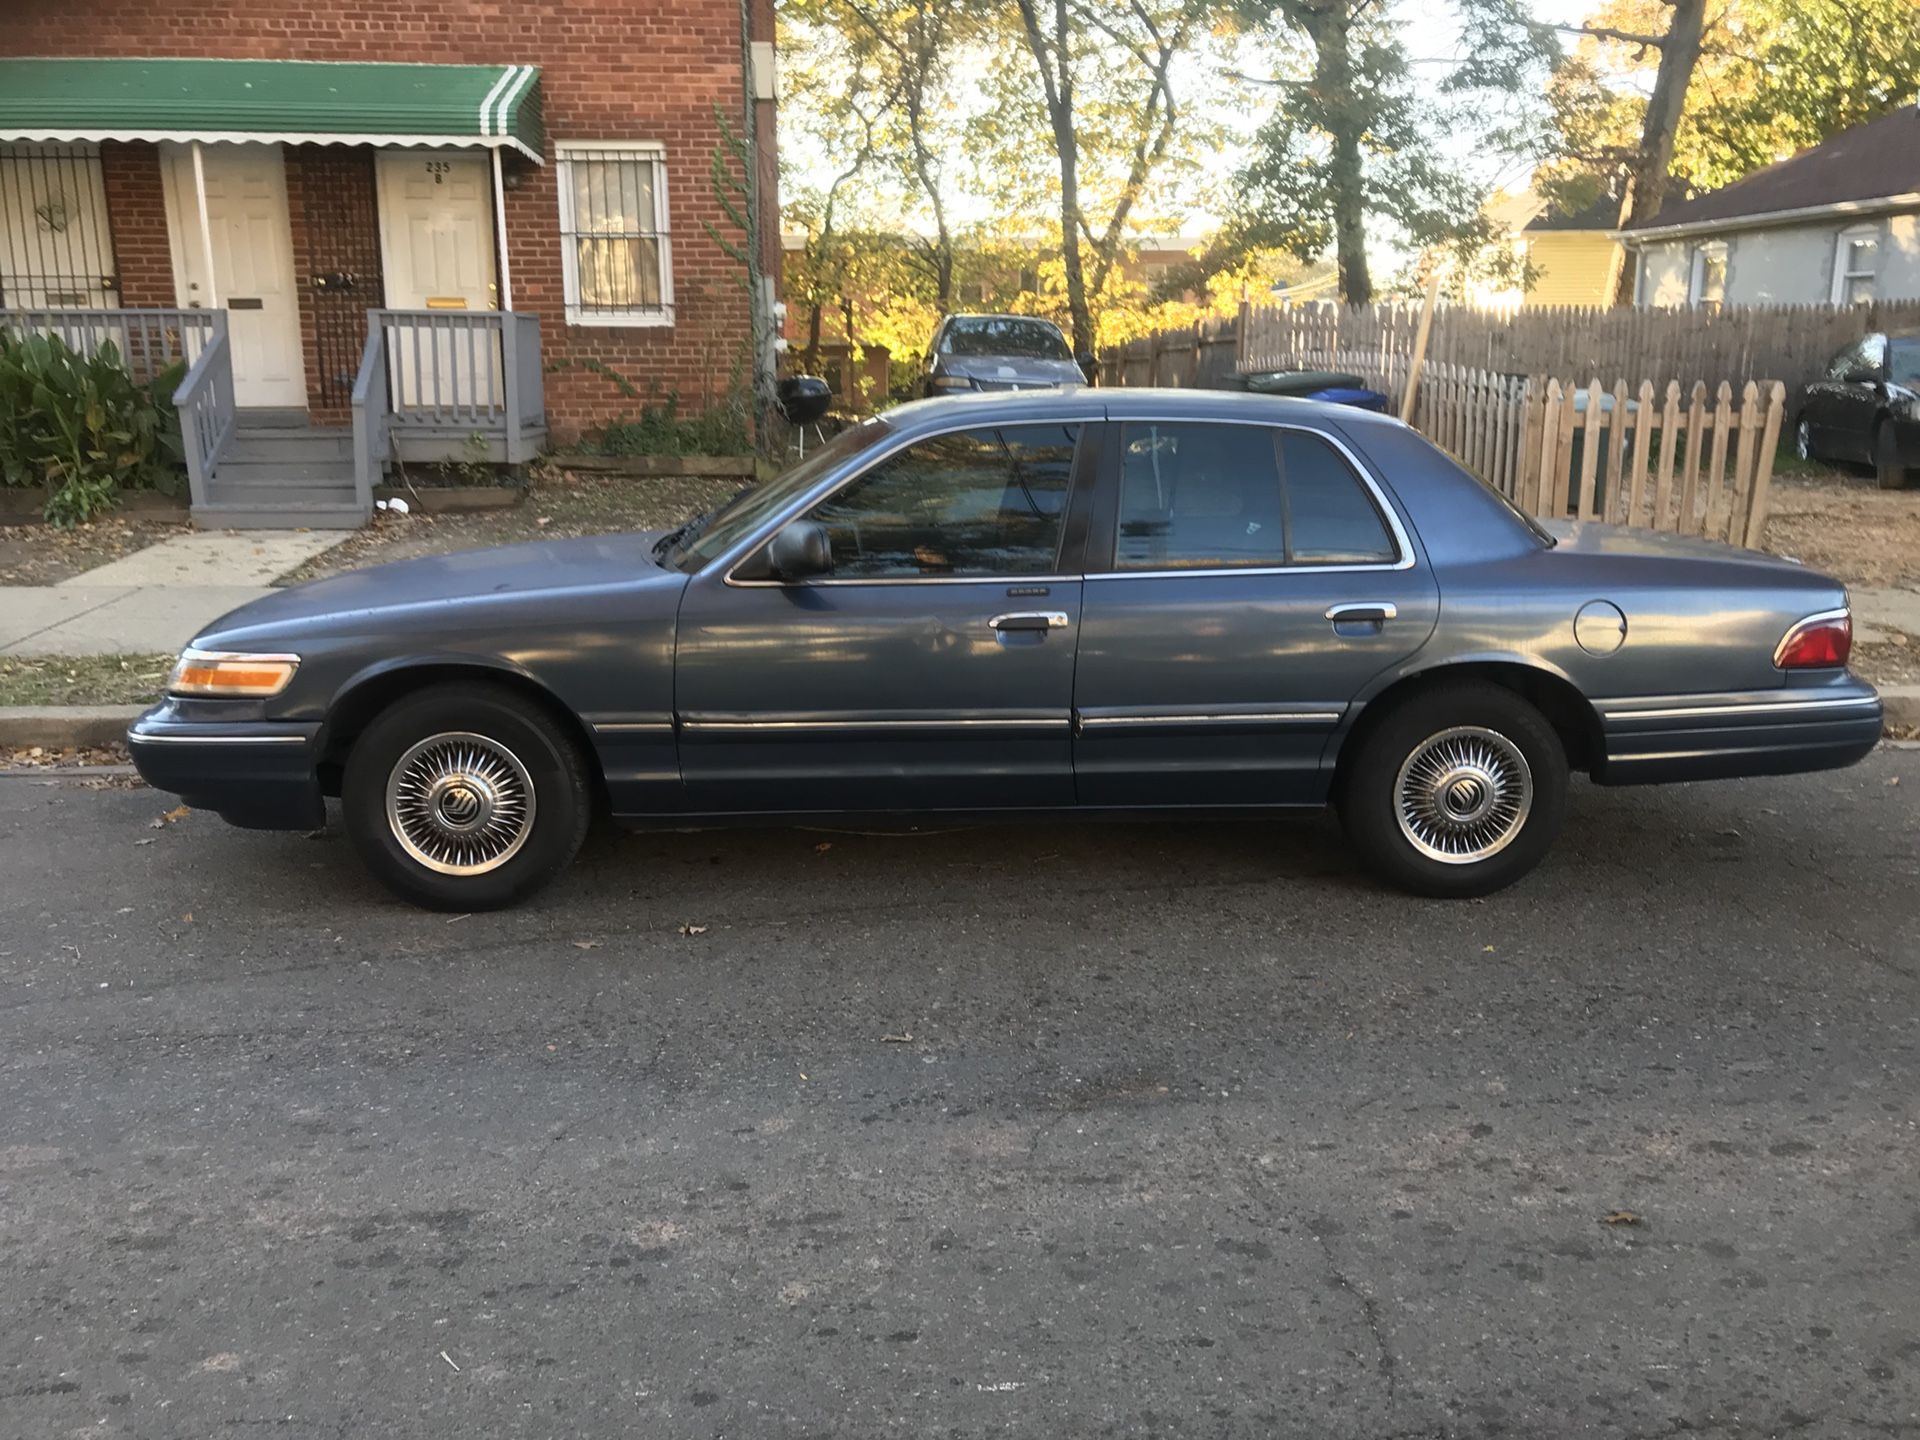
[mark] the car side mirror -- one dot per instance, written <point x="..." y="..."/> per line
<point x="802" y="551"/>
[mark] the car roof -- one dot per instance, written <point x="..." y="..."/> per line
<point x="1087" y="403"/>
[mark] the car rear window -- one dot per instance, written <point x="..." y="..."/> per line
<point x="1200" y="495"/>
<point x="1005" y="335"/>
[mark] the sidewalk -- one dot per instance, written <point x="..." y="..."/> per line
<point x="156" y="599"/>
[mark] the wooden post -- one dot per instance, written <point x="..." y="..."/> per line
<point x="1420" y="349"/>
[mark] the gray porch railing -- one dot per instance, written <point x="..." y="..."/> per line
<point x="372" y="409"/>
<point x="451" y="373"/>
<point x="207" y="414"/>
<point x="148" y="340"/>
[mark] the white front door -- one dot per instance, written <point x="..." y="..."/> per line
<point x="436" y="230"/>
<point x="436" y="242"/>
<point x="252" y="264"/>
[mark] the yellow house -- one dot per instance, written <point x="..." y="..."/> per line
<point x="1569" y="256"/>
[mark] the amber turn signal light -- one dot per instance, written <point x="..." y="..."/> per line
<point x="209" y="672"/>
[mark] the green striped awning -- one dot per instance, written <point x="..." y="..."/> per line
<point x="292" y="101"/>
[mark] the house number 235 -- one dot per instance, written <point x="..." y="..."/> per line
<point x="439" y="169"/>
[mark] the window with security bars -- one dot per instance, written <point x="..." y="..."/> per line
<point x="56" y="252"/>
<point x="615" y="249"/>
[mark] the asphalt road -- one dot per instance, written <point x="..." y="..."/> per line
<point x="1062" y="1131"/>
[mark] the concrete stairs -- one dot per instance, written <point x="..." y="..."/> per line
<point x="282" y="473"/>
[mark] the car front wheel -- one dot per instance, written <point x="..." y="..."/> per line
<point x="465" y="797"/>
<point x="1458" y="792"/>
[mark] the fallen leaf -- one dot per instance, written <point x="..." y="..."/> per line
<point x="1893" y="780"/>
<point x="693" y="929"/>
<point x="187" y="919"/>
<point x="1620" y="1217"/>
<point x="823" y="847"/>
<point x="905" y="1037"/>
<point x="544" y="520"/>
<point x="147" y="841"/>
<point x="179" y="812"/>
<point x="586" y="944"/>
<point x="1486" y="949"/>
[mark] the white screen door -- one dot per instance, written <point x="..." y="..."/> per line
<point x="252" y="264"/>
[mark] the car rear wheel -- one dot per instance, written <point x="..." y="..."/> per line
<point x="465" y="797"/>
<point x="1889" y="465"/>
<point x="1458" y="792"/>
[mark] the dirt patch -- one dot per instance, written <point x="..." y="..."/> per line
<point x="558" y="506"/>
<point x="1845" y="525"/>
<point x="42" y="555"/>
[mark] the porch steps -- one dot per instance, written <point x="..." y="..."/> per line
<point x="279" y="473"/>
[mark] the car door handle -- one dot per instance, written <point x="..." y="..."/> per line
<point x="1029" y="620"/>
<point x="1377" y="612"/>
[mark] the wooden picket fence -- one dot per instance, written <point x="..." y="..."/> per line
<point x="1640" y="457"/>
<point x="1791" y="343"/>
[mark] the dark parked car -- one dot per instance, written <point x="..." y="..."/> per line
<point x="1091" y="602"/>
<point x="999" y="352"/>
<point x="1865" y="409"/>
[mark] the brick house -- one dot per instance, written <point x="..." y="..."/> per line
<point x="524" y="188"/>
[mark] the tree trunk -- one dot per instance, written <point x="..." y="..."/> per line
<point x="1346" y="121"/>
<point x="1055" y="59"/>
<point x="1646" y="189"/>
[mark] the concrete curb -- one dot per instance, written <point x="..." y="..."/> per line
<point x="1903" y="706"/>
<point x="64" y="727"/>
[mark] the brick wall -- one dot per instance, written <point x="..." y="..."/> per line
<point x="613" y="70"/>
<point x="137" y="211"/>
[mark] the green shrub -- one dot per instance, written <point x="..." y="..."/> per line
<point x="660" y="429"/>
<point x="82" y="427"/>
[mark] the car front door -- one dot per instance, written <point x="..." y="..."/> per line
<point x="1244" y="583"/>
<point x="931" y="669"/>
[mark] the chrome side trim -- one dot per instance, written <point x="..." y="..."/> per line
<point x="633" y="727"/>
<point x="731" y="725"/>
<point x="139" y="737"/>
<point x="1262" y="717"/>
<point x="1752" y="707"/>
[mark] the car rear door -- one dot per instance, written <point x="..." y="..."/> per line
<point x="932" y="670"/>
<point x="1244" y="582"/>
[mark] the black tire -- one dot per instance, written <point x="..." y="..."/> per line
<point x="1888" y="467"/>
<point x="490" y="733"/>
<point x="1444" y="724"/>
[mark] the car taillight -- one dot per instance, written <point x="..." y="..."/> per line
<point x="1819" y="642"/>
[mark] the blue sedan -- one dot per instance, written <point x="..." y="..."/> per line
<point x="1063" y="603"/>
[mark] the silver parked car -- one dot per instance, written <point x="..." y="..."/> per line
<point x="999" y="352"/>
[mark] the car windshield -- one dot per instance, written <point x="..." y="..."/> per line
<point x="711" y="534"/>
<point x="1903" y="361"/>
<point x="1005" y="335"/>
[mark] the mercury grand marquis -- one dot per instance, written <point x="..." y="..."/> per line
<point x="1081" y="602"/>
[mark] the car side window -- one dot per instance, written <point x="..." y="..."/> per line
<point x="1197" y="495"/>
<point x="1331" y="518"/>
<point x="973" y="503"/>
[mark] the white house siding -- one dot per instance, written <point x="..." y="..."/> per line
<point x="1784" y="264"/>
<point x="1900" y="257"/>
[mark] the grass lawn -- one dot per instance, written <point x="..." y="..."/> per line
<point x="82" y="679"/>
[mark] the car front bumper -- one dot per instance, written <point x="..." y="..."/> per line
<point x="1655" y="739"/>
<point x="255" y="773"/>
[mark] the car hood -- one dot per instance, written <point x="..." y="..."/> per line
<point x="1012" y="370"/>
<point x="469" y="576"/>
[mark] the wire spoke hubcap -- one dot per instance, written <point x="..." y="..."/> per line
<point x="459" y="803"/>
<point x="1463" y="795"/>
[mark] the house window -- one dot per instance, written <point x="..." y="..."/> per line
<point x="1709" y="285"/>
<point x="55" y="250"/>
<point x="616" y="253"/>
<point x="1856" y="255"/>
